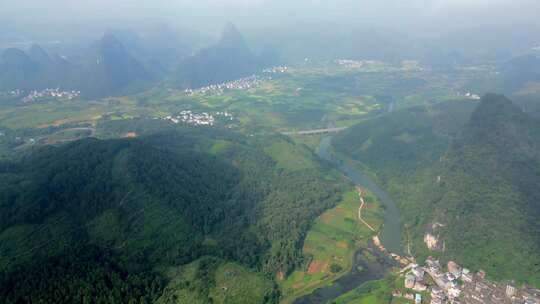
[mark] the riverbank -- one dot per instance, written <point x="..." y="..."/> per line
<point x="348" y="234"/>
<point x="370" y="264"/>
<point x="331" y="245"/>
<point x="390" y="235"/>
<point x="376" y="291"/>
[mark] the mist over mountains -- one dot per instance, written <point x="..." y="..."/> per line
<point x="231" y="58"/>
<point x="124" y="61"/>
<point x="270" y="151"/>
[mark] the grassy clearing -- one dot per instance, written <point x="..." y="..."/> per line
<point x="236" y="284"/>
<point x="374" y="292"/>
<point x="304" y="98"/>
<point x="42" y="115"/>
<point x="291" y="157"/>
<point x="229" y="283"/>
<point x="331" y="243"/>
<point x="312" y="141"/>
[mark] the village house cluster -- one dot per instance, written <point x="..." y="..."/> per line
<point x="198" y="119"/>
<point x="355" y="64"/>
<point x="479" y="290"/>
<point x="239" y="84"/>
<point x="351" y="64"/>
<point x="276" y="70"/>
<point x="460" y="285"/>
<point x="51" y="93"/>
<point x="14" y="93"/>
<point x="245" y="83"/>
<point x="411" y="65"/>
<point x="470" y="95"/>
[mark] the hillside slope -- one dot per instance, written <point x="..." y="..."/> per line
<point x="110" y="69"/>
<point x="473" y="173"/>
<point x="489" y="196"/>
<point x="138" y="206"/>
<point x="405" y="140"/>
<point x="228" y="60"/>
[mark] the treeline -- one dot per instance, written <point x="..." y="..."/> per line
<point x="85" y="275"/>
<point x="474" y="170"/>
<point x="166" y="199"/>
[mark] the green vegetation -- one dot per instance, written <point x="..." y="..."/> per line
<point x="399" y="150"/>
<point x="159" y="200"/>
<point x="472" y="173"/>
<point x="302" y="98"/>
<point x="172" y="196"/>
<point x="290" y="157"/>
<point x="413" y="137"/>
<point x="312" y="141"/>
<point x="209" y="280"/>
<point x="489" y="193"/>
<point x="331" y="243"/>
<point x="373" y="292"/>
<point x="88" y="275"/>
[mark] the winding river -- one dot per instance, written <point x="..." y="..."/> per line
<point x="390" y="237"/>
<point x="391" y="231"/>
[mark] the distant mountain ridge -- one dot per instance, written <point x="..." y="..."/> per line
<point x="229" y="59"/>
<point x="518" y="77"/>
<point x="111" y="69"/>
<point x="18" y="70"/>
<point x="123" y="62"/>
<point x="520" y="71"/>
<point x="108" y="69"/>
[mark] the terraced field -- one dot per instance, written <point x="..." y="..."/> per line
<point x="230" y="283"/>
<point x="331" y="243"/>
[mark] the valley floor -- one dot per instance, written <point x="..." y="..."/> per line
<point x="331" y="245"/>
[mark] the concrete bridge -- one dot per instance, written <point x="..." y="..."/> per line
<point x="315" y="131"/>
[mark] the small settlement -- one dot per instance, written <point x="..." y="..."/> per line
<point x="51" y="93"/>
<point x="198" y="119"/>
<point x="460" y="285"/>
<point x="15" y="93"/>
<point x="35" y="95"/>
<point x="245" y="83"/>
<point x="356" y="64"/>
<point x="470" y="95"/>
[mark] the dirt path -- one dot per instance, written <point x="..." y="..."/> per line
<point x="360" y="210"/>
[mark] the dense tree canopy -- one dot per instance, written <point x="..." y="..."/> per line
<point x="476" y="173"/>
<point x="165" y="199"/>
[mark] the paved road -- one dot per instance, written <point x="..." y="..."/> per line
<point x="316" y="131"/>
<point x="39" y="139"/>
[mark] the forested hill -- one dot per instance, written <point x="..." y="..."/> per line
<point x="405" y="140"/>
<point x="474" y="168"/>
<point x="490" y="199"/>
<point x="19" y="70"/>
<point x="97" y="219"/>
<point x="520" y="72"/>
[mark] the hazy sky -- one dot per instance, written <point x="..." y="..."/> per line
<point x="209" y="15"/>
